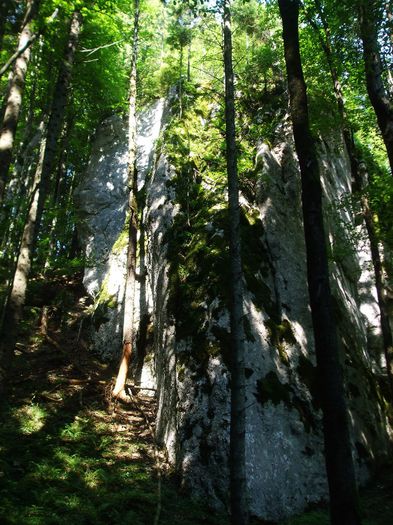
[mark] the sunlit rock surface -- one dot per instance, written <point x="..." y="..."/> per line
<point x="101" y="204"/>
<point x="285" y="463"/>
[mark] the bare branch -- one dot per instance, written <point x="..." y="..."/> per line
<point x="93" y="50"/>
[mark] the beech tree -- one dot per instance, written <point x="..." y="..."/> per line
<point x="17" y="297"/>
<point x="339" y="464"/>
<point x="131" y="221"/>
<point x="379" y="97"/>
<point x="358" y="183"/>
<point x="14" y="96"/>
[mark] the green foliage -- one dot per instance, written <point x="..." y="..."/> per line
<point x="58" y="466"/>
<point x="281" y="335"/>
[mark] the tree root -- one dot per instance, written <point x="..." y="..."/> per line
<point x="123" y="397"/>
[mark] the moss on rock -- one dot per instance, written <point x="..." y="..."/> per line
<point x="281" y="335"/>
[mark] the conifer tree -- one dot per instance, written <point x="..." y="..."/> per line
<point x="338" y="454"/>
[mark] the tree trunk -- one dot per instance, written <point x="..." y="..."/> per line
<point x="387" y="339"/>
<point x="181" y="81"/>
<point x="14" y="96"/>
<point x="366" y="211"/>
<point x="132" y="221"/>
<point x="47" y="155"/>
<point x="238" y="487"/>
<point x="189" y="62"/>
<point x="338" y="454"/>
<point x="59" y="103"/>
<point x="57" y="203"/>
<point x="17" y="296"/>
<point x="373" y="68"/>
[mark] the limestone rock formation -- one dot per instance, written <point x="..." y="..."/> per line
<point x="189" y="340"/>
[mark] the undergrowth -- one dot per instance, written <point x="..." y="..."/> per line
<point x="67" y="457"/>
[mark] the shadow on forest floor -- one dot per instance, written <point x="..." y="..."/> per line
<point x="67" y="457"/>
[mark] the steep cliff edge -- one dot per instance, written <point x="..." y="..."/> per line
<point x="182" y="298"/>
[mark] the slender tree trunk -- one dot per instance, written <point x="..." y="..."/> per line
<point x="181" y="82"/>
<point x="379" y="285"/>
<point x="59" y="103"/>
<point x="373" y="67"/>
<point x="57" y="202"/>
<point x="389" y="16"/>
<point x="21" y="50"/>
<point x="17" y="296"/>
<point x="238" y="486"/>
<point x="366" y="211"/>
<point x="132" y="220"/>
<point x="14" y="97"/>
<point x="189" y="62"/>
<point x="338" y="454"/>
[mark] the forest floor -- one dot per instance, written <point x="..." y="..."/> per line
<point x="68" y="455"/>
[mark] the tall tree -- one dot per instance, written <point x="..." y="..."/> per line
<point x="339" y="464"/>
<point x="379" y="97"/>
<point x="17" y="297"/>
<point x="180" y="37"/>
<point x="238" y="486"/>
<point x="357" y="178"/>
<point x="131" y="220"/>
<point x="58" y="108"/>
<point x="14" y="96"/>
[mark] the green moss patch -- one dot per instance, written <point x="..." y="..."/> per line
<point x="280" y="335"/>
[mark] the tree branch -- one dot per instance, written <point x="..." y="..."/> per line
<point x="20" y="51"/>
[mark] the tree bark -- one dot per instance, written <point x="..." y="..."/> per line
<point x="132" y="222"/>
<point x="379" y="98"/>
<point x="14" y="96"/>
<point x="238" y="486"/>
<point x="387" y="339"/>
<point x="17" y="296"/>
<point x="27" y="44"/>
<point x="59" y="103"/>
<point x="338" y="454"/>
<point x="357" y="178"/>
<point x="181" y="81"/>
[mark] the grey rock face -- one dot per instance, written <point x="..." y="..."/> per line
<point x="285" y="464"/>
<point x="101" y="205"/>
